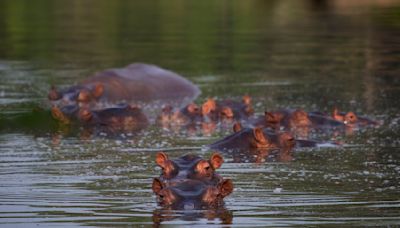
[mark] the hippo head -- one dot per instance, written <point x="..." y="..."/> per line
<point x="191" y="194"/>
<point x="189" y="166"/>
<point x="299" y="118"/>
<point x="348" y="118"/>
<point x="77" y="93"/>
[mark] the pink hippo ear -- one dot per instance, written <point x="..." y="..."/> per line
<point x="336" y="115"/>
<point x="246" y="100"/>
<point x="208" y="106"/>
<point x="216" y="160"/>
<point x="157" y="186"/>
<point x="225" y="188"/>
<point x="98" y="90"/>
<point x="161" y="159"/>
<point x="237" y="127"/>
<point x="259" y="136"/>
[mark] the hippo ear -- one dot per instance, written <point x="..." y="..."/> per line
<point x="237" y="127"/>
<point x="258" y="134"/>
<point x="161" y="159"/>
<point x="226" y="187"/>
<point x="216" y="160"/>
<point x="203" y="167"/>
<point x="98" y="90"/>
<point x="53" y="94"/>
<point x="208" y="106"/>
<point x="227" y="112"/>
<point x="336" y="115"/>
<point x="157" y="185"/>
<point x="246" y="99"/>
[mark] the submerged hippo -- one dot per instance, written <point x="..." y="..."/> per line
<point x="190" y="182"/>
<point x="254" y="138"/>
<point x="134" y="83"/>
<point x="291" y="119"/>
<point x="352" y="120"/>
<point x="123" y="117"/>
<point x="227" y="109"/>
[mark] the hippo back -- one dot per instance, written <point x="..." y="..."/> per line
<point x="140" y="82"/>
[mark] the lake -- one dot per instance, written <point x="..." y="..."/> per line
<point x="314" y="55"/>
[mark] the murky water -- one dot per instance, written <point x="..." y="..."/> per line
<point x="309" y="54"/>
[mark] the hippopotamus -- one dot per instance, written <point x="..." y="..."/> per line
<point x="254" y="138"/>
<point x="133" y="84"/>
<point x="190" y="182"/>
<point x="190" y="114"/>
<point x="352" y="120"/>
<point x="122" y="117"/>
<point x="227" y="109"/>
<point x="291" y="119"/>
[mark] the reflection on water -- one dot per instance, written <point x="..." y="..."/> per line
<point x="312" y="54"/>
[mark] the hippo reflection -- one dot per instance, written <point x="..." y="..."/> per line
<point x="137" y="82"/>
<point x="123" y="117"/>
<point x="214" y="215"/>
<point x="190" y="182"/>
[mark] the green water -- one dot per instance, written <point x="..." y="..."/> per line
<point x="285" y="54"/>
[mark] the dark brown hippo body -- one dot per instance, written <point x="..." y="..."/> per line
<point x="190" y="182"/>
<point x="135" y="83"/>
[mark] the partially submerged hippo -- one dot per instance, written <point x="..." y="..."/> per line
<point x="254" y="138"/>
<point x="227" y="109"/>
<point x="292" y="119"/>
<point x="353" y="120"/>
<point x="134" y="83"/>
<point x="123" y="117"/>
<point x="211" y="116"/>
<point x="190" y="182"/>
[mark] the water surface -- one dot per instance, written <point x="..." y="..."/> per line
<point x="285" y="54"/>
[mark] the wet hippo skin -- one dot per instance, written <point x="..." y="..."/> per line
<point x="136" y="82"/>
<point x="190" y="182"/>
